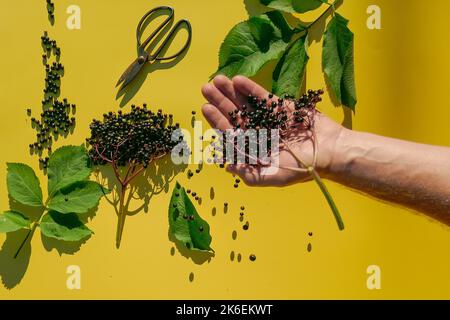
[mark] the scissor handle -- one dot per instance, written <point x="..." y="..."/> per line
<point x="168" y="38"/>
<point x="161" y="26"/>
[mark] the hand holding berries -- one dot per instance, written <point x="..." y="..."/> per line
<point x="307" y="137"/>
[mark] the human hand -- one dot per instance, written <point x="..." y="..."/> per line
<point x="225" y="95"/>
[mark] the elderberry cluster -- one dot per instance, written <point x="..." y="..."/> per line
<point x="56" y="118"/>
<point x="137" y="137"/>
<point x="269" y="113"/>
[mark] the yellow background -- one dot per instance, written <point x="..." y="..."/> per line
<point x="402" y="80"/>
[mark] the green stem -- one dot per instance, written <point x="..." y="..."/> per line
<point x="328" y="196"/>
<point x="121" y="216"/>
<point x="331" y="8"/>
<point x="32" y="230"/>
<point x="29" y="236"/>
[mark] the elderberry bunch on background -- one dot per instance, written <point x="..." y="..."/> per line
<point x="134" y="138"/>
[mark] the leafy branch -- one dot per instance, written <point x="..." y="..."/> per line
<point x="70" y="193"/>
<point x="251" y="44"/>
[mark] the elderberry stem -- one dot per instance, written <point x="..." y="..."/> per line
<point x="33" y="229"/>
<point x="121" y="216"/>
<point x="29" y="236"/>
<point x="328" y="196"/>
<point x="331" y="8"/>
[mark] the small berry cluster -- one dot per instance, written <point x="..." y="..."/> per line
<point x="281" y="113"/>
<point x="56" y="118"/>
<point x="134" y="138"/>
<point x="51" y="11"/>
<point x="284" y="114"/>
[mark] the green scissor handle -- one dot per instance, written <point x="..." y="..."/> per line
<point x="169" y="37"/>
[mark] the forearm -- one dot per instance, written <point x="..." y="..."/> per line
<point x="413" y="175"/>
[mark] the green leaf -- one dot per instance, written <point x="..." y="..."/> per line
<point x="11" y="221"/>
<point x="289" y="73"/>
<point x="194" y="233"/>
<point x="253" y="43"/>
<point x="77" y="198"/>
<point x="337" y="61"/>
<point x="65" y="227"/>
<point x="23" y="185"/>
<point x="67" y="165"/>
<point x="292" y="6"/>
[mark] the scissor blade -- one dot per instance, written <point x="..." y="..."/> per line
<point x="130" y="74"/>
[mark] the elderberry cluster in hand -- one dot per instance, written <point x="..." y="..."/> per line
<point x="283" y="114"/>
<point x="56" y="118"/>
<point x="134" y="138"/>
<point x="270" y="113"/>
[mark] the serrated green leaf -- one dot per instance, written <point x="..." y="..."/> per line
<point x="23" y="185"/>
<point x="292" y="6"/>
<point x="77" y="198"/>
<point x="337" y="61"/>
<point x="253" y="43"/>
<point x="67" y="165"/>
<point x="11" y="221"/>
<point x="289" y="73"/>
<point x="64" y="227"/>
<point x="194" y="233"/>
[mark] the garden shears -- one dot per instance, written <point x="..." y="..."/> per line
<point x="143" y="55"/>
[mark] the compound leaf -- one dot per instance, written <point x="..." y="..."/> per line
<point x="11" y="221"/>
<point x="253" y="43"/>
<point x="64" y="227"/>
<point x="185" y="224"/>
<point x="77" y="198"/>
<point x="23" y="185"/>
<point x="293" y="6"/>
<point x="289" y="73"/>
<point x="66" y="166"/>
<point x="337" y="61"/>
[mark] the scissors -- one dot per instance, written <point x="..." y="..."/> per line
<point x="144" y="56"/>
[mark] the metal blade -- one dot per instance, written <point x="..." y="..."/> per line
<point x="130" y="73"/>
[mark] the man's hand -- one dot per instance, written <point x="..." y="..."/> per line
<point x="225" y="95"/>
